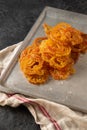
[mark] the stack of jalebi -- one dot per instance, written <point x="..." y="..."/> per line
<point x="53" y="55"/>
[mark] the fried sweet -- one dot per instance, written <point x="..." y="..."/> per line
<point x="35" y="65"/>
<point x="61" y="75"/>
<point x="64" y="34"/>
<point x="32" y="65"/>
<point x="54" y="54"/>
<point x="64" y="73"/>
<point x="30" y="51"/>
<point x="60" y="62"/>
<point x="75" y="37"/>
<point x="37" y="79"/>
<point x="57" y="33"/>
<point x="53" y="49"/>
<point x="57" y="56"/>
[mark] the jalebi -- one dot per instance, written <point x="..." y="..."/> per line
<point x="60" y="74"/>
<point x="53" y="55"/>
<point x="32" y="64"/>
<point x="63" y="34"/>
<point x="49" y="46"/>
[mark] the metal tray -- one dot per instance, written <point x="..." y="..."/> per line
<point x="71" y="92"/>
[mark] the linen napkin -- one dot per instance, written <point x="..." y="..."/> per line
<point x="49" y="115"/>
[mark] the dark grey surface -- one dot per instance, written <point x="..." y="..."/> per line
<point x="16" y="19"/>
<point x="16" y="119"/>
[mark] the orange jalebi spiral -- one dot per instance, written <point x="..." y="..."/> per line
<point x="64" y="34"/>
<point x="64" y="72"/>
<point x="32" y="65"/>
<point x="49" y="46"/>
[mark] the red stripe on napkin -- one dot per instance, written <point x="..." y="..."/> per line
<point x="41" y="108"/>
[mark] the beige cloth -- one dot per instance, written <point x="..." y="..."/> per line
<point x="49" y="115"/>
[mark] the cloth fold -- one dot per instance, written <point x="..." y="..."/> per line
<point x="49" y="115"/>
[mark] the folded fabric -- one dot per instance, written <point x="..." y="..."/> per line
<point x="49" y="115"/>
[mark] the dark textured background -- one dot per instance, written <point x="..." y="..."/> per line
<point x="16" y="19"/>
